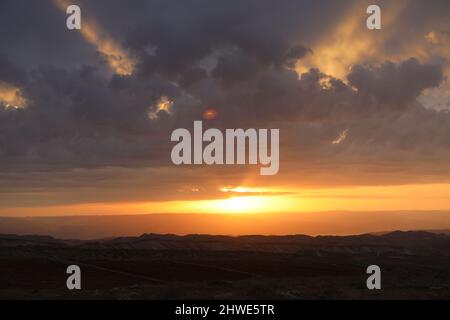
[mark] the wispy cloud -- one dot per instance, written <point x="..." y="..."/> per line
<point x="350" y="42"/>
<point x="341" y="137"/>
<point x="119" y="60"/>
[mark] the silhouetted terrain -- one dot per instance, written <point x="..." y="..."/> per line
<point x="414" y="265"/>
<point x="310" y="223"/>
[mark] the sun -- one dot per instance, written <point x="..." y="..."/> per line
<point x="238" y="204"/>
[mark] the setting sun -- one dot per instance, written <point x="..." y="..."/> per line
<point x="239" y="204"/>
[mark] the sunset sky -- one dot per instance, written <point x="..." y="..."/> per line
<point x="86" y="115"/>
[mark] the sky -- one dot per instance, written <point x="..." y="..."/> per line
<point x="86" y="115"/>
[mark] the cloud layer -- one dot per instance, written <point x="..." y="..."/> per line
<point x="242" y="59"/>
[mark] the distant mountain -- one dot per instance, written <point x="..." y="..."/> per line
<point x="12" y="240"/>
<point x="397" y="241"/>
<point x="310" y="223"/>
<point x="436" y="231"/>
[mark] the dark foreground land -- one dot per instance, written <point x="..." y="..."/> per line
<point x="413" y="264"/>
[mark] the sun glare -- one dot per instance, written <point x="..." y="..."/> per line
<point x="244" y="204"/>
<point x="239" y="204"/>
<point x="243" y="189"/>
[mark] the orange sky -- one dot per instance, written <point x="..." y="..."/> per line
<point x="243" y="200"/>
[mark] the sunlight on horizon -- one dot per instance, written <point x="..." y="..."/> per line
<point x="246" y="200"/>
<point x="242" y="204"/>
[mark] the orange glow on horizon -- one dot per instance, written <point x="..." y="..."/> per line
<point x="366" y="198"/>
<point x="243" y="189"/>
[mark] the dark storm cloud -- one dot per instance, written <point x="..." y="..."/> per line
<point x="78" y="117"/>
<point x="235" y="56"/>
<point x="11" y="73"/>
<point x="33" y="34"/>
<point x="395" y="85"/>
<point x="180" y="34"/>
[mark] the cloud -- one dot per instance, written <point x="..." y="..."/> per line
<point x="163" y="105"/>
<point x="11" y="73"/>
<point x="119" y="60"/>
<point x="173" y="60"/>
<point x="341" y="137"/>
<point x="395" y="84"/>
<point x="11" y="96"/>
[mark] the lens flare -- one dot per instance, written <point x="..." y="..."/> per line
<point x="210" y="114"/>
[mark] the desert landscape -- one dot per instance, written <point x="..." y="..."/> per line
<point x="415" y="265"/>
